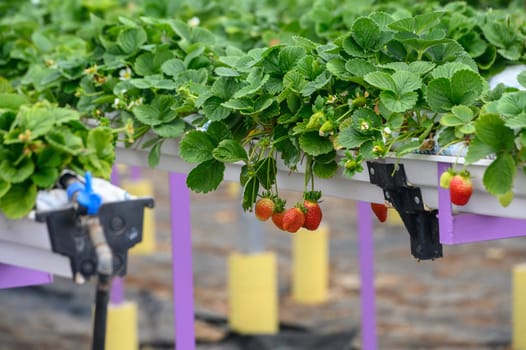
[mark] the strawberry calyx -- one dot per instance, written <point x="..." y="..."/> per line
<point x="279" y="204"/>
<point x="312" y="196"/>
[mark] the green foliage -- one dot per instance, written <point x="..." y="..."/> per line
<point x="317" y="85"/>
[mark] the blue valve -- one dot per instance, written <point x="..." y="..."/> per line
<point x="86" y="197"/>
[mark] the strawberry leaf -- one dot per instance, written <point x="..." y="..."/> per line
<point x="381" y="80"/>
<point x="359" y="67"/>
<point x="4" y="187"/>
<point x="478" y="150"/>
<point x="463" y="88"/>
<point x="491" y="130"/>
<point x="130" y="39"/>
<point x="398" y="103"/>
<point x="218" y="131"/>
<point x="498" y="177"/>
<point x="170" y="130"/>
<point x="367" y="34"/>
<point x="196" y="147"/>
<point x="460" y="115"/>
<point x="325" y="170"/>
<point x="19" y="200"/>
<point x="351" y="138"/>
<point x="313" y="144"/>
<point x="406" y="81"/>
<point x="206" y="176"/>
<point x="214" y="110"/>
<point x="12" y="101"/>
<point x="289" y="56"/>
<point x="16" y="173"/>
<point x="45" y="177"/>
<point x="250" y="193"/>
<point x="230" y="151"/>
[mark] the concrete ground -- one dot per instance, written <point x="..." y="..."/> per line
<point x="462" y="301"/>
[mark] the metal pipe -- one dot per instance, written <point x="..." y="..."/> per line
<point x="101" y="312"/>
<point x="105" y="270"/>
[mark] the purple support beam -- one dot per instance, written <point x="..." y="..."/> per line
<point x="182" y="270"/>
<point x="14" y="276"/>
<point x="135" y="173"/>
<point x="470" y="228"/>
<point x="367" y="292"/>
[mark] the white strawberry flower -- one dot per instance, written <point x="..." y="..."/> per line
<point x="364" y="125"/>
<point x="125" y="74"/>
<point x="194" y="22"/>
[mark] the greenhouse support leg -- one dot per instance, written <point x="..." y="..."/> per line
<point x="367" y="292"/>
<point x="14" y="276"/>
<point x="117" y="291"/>
<point x="182" y="262"/>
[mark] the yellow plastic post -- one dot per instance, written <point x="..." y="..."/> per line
<point x="310" y="261"/>
<point x="143" y="188"/>
<point x="233" y="189"/>
<point x="519" y="307"/>
<point x="253" y="293"/>
<point x="122" y="327"/>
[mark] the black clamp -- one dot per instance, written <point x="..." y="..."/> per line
<point x="421" y="224"/>
<point x="122" y="223"/>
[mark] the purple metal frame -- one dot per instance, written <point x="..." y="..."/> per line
<point x="367" y="292"/>
<point x="182" y="270"/>
<point x="15" y="276"/>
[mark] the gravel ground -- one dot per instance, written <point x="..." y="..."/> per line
<point x="462" y="301"/>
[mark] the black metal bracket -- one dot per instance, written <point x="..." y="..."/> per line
<point x="122" y="222"/>
<point x="421" y="224"/>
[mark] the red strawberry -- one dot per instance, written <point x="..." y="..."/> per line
<point x="264" y="208"/>
<point x="279" y="213"/>
<point x="380" y="210"/>
<point x="460" y="188"/>
<point x="313" y="214"/>
<point x="294" y="218"/>
<point x="277" y="219"/>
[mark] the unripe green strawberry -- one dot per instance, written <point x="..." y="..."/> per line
<point x="359" y="101"/>
<point x="460" y="188"/>
<point x="327" y="128"/>
<point x="294" y="219"/>
<point x="445" y="178"/>
<point x="506" y="198"/>
<point x="313" y="214"/>
<point x="264" y="208"/>
<point x="316" y="120"/>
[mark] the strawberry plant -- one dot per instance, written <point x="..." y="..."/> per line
<point x="318" y="88"/>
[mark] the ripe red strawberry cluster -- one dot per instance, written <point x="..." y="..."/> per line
<point x="305" y="214"/>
